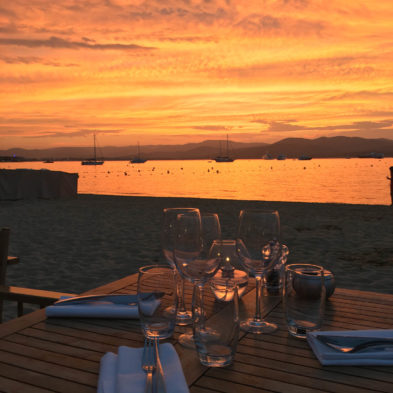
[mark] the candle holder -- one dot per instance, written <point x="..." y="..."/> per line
<point x="306" y="283"/>
<point x="228" y="277"/>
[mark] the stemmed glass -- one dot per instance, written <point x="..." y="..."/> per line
<point x="194" y="241"/>
<point x="258" y="247"/>
<point x="168" y="235"/>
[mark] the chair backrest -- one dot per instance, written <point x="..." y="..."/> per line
<point x="4" y="242"/>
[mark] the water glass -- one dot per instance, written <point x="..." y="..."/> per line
<point x="304" y="298"/>
<point x="216" y="337"/>
<point x="157" y="300"/>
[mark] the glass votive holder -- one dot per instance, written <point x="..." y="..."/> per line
<point x="304" y="296"/>
<point x="228" y="276"/>
<point x="273" y="279"/>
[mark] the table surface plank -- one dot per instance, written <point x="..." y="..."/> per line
<point x="62" y="355"/>
<point x="12" y="260"/>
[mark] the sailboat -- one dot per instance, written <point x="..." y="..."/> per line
<point x="224" y="158"/>
<point x="93" y="161"/>
<point x="138" y="159"/>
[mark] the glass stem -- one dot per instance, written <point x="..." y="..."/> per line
<point x="258" y="293"/>
<point x="198" y="299"/>
<point x="180" y="293"/>
<point x="202" y="305"/>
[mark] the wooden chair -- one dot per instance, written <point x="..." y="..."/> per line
<point x="18" y="294"/>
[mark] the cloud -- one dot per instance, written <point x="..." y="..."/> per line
<point x="189" y="38"/>
<point x="73" y="134"/>
<point x="291" y="24"/>
<point x="7" y="12"/>
<point x="60" y="43"/>
<point x="34" y="60"/>
<point x="53" y="30"/>
<point x="258" y="23"/>
<point x="355" y="67"/>
<point x="378" y="113"/>
<point x="365" y="94"/>
<point x="8" y="29"/>
<point x="296" y="3"/>
<point x="12" y="131"/>
<point x="281" y="126"/>
<point x="212" y="128"/>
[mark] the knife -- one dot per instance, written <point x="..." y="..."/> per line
<point x="349" y="344"/>
<point x="110" y="298"/>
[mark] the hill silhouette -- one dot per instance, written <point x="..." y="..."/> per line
<point x="324" y="147"/>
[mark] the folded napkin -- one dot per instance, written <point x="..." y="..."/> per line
<point x="329" y="356"/>
<point x="123" y="373"/>
<point x="94" y="309"/>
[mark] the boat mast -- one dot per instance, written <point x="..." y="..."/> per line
<point x="95" y="155"/>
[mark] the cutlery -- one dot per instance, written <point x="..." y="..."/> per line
<point x="111" y="298"/>
<point x="160" y="383"/>
<point x="149" y="364"/>
<point x="348" y="344"/>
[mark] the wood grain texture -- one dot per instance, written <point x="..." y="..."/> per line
<point x="39" y="355"/>
<point x="12" y="260"/>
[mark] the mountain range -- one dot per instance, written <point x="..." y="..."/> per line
<point x="324" y="147"/>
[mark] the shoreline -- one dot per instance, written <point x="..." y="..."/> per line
<point x="78" y="244"/>
<point x="229" y="199"/>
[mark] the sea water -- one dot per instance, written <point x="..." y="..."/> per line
<point x="355" y="181"/>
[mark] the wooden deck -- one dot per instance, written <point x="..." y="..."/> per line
<point x="62" y="355"/>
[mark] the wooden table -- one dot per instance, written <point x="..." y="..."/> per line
<point x="62" y="355"/>
<point x="11" y="260"/>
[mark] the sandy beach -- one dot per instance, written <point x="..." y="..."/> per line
<point x="75" y="245"/>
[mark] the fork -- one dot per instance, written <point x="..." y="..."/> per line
<point x="358" y="344"/>
<point x="149" y="363"/>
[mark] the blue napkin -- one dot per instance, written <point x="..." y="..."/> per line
<point x="330" y="357"/>
<point x="123" y="373"/>
<point x="95" y="309"/>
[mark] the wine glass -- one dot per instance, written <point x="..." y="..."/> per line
<point x="168" y="235"/>
<point x="258" y="247"/>
<point x="193" y="257"/>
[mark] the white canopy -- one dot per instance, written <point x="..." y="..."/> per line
<point x="29" y="184"/>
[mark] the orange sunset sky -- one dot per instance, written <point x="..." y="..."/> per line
<point x="178" y="71"/>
